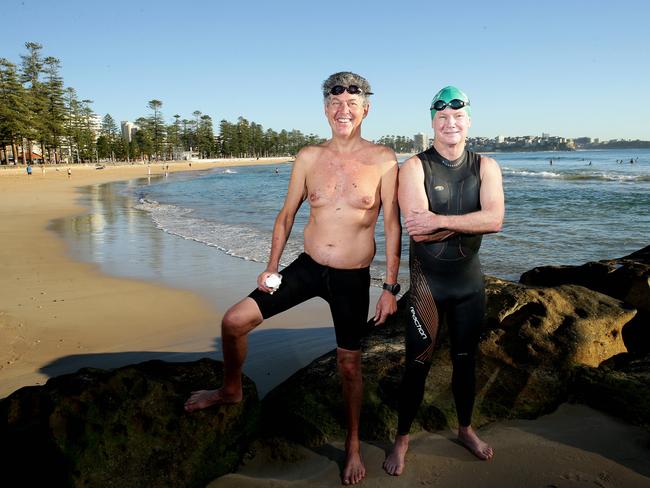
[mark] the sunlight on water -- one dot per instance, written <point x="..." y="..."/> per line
<point x="569" y="212"/>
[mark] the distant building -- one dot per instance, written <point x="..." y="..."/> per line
<point x="96" y="125"/>
<point x="420" y="142"/>
<point x="128" y="130"/>
<point x="500" y="139"/>
<point x="581" y="141"/>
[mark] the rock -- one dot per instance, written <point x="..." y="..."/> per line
<point x="626" y="278"/>
<point x="538" y="325"/>
<point x="620" y="386"/>
<point x="124" y="427"/>
<point x="533" y="340"/>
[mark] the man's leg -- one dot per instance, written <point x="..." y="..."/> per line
<point x="238" y="321"/>
<point x="349" y="366"/>
<point x="465" y="323"/>
<point x="420" y="339"/>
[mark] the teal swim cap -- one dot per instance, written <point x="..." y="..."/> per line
<point x="447" y="94"/>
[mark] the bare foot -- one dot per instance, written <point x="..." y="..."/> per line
<point x="206" y="398"/>
<point x="354" y="470"/>
<point x="476" y="446"/>
<point x="394" y="463"/>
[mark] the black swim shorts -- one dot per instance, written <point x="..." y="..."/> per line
<point x="346" y="290"/>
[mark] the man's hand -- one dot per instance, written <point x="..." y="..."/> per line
<point x="386" y="305"/>
<point x="261" y="279"/>
<point x="420" y="222"/>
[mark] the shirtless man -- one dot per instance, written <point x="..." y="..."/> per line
<point x="450" y="197"/>
<point x="346" y="181"/>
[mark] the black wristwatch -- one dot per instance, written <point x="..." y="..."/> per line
<point x="394" y="288"/>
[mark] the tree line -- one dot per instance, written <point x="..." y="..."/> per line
<point x="399" y="144"/>
<point x="37" y="109"/>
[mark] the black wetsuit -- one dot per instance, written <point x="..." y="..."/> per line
<point x="446" y="282"/>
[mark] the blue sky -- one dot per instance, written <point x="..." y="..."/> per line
<point x="568" y="68"/>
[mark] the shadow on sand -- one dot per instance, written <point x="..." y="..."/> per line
<point x="273" y="356"/>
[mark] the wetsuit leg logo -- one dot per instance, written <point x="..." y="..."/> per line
<point x="417" y="323"/>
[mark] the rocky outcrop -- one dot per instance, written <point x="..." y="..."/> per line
<point x="535" y="337"/>
<point x="620" y="386"/>
<point x="533" y="340"/>
<point x="626" y="278"/>
<point x="124" y="427"/>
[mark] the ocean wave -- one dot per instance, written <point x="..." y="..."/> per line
<point x="577" y="175"/>
<point x="239" y="241"/>
<point x="523" y="172"/>
<point x="235" y="240"/>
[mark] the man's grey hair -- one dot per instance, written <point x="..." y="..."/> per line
<point x="347" y="78"/>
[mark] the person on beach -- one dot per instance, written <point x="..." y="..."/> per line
<point x="448" y="197"/>
<point x="346" y="180"/>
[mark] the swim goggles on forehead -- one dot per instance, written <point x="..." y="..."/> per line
<point x="455" y="104"/>
<point x="352" y="90"/>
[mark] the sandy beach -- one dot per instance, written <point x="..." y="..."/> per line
<point x="54" y="310"/>
<point x="574" y="446"/>
<point x="58" y="315"/>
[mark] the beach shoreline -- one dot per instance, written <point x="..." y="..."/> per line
<point x="53" y="306"/>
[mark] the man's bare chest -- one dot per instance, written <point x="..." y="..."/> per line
<point x="356" y="187"/>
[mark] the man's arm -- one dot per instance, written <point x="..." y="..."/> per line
<point x="413" y="198"/>
<point x="489" y="219"/>
<point x="296" y="194"/>
<point x="387" y="303"/>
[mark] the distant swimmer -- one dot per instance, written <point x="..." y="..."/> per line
<point x="589" y="163"/>
<point x="277" y="171"/>
<point x="550" y="162"/>
<point x="631" y="161"/>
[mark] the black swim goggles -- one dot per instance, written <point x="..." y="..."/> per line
<point x="352" y="90"/>
<point x="456" y="104"/>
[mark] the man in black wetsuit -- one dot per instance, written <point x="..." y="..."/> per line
<point x="449" y="197"/>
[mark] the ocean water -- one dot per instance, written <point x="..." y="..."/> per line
<point x="569" y="212"/>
